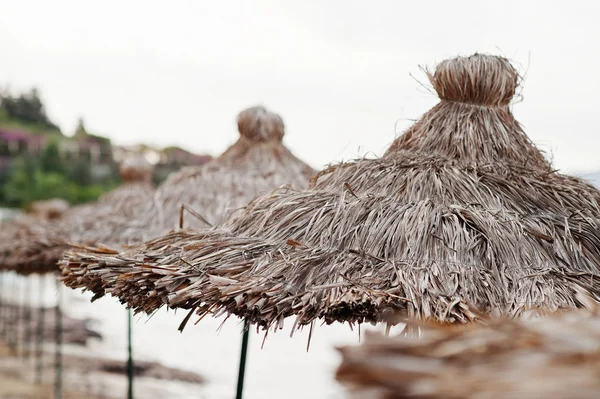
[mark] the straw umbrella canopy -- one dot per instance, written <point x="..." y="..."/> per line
<point x="462" y="212"/>
<point x="255" y="164"/>
<point x="94" y="222"/>
<point x="553" y="357"/>
<point x="34" y="213"/>
<point x="14" y="230"/>
<point x="40" y="251"/>
<point x="48" y="209"/>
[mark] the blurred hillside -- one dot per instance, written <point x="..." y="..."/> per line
<point x="38" y="161"/>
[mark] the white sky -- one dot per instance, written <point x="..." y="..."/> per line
<point x="339" y="72"/>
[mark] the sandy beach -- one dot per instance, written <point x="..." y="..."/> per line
<point x="16" y="380"/>
<point x="209" y="349"/>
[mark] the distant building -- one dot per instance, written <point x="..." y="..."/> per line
<point x="96" y="150"/>
<point x="15" y="143"/>
<point x="165" y="161"/>
<point x="179" y="156"/>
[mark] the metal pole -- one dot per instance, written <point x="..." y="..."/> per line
<point x="40" y="333"/>
<point x="22" y="302"/>
<point x="9" y="314"/>
<point x="129" y="357"/>
<point x="2" y="322"/>
<point x="4" y="309"/>
<point x="58" y="352"/>
<point x="242" y="370"/>
<point x="27" y="319"/>
<point x="14" y="315"/>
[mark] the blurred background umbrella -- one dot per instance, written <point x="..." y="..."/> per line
<point x="13" y="230"/>
<point x="37" y="249"/>
<point x="42" y="248"/>
<point x="257" y="163"/>
<point x="10" y="233"/>
<point x="552" y="357"/>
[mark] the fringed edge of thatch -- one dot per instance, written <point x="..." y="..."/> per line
<point x="554" y="356"/>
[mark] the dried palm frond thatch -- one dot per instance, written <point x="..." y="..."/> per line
<point x="462" y="212"/>
<point x="14" y="230"/>
<point x="257" y="163"/>
<point x="553" y="357"/>
<point x="43" y="246"/>
<point x="48" y="209"/>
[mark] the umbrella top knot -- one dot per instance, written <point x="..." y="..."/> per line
<point x="48" y="209"/>
<point x="478" y="79"/>
<point x="135" y="168"/>
<point x="259" y="124"/>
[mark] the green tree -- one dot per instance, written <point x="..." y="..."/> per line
<point x="50" y="160"/>
<point x="27" y="108"/>
<point x="49" y="175"/>
<point x="80" y="172"/>
<point x="28" y="182"/>
<point x="18" y="190"/>
<point x="52" y="185"/>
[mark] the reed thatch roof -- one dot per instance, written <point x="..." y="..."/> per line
<point x="462" y="212"/>
<point x="22" y="226"/>
<point x="553" y="357"/>
<point x="48" y="209"/>
<point x="43" y="247"/>
<point x="255" y="164"/>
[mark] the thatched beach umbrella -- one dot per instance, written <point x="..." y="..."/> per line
<point x="20" y="227"/>
<point x="87" y="223"/>
<point x="10" y="232"/>
<point x="16" y="230"/>
<point x="553" y="357"/>
<point x="462" y="212"/>
<point x="255" y="164"/>
<point x="48" y="209"/>
<point x="23" y="226"/>
<point x="40" y="250"/>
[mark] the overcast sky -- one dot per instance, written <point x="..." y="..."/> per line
<point x="339" y="72"/>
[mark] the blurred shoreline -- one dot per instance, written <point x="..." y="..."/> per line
<point x="209" y="349"/>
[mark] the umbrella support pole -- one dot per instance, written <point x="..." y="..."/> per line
<point x="9" y="314"/>
<point x="58" y="353"/>
<point x="27" y="320"/>
<point x="40" y="333"/>
<point x="130" y="367"/>
<point x="6" y="308"/>
<point x="14" y="317"/>
<point x="22" y="310"/>
<point x="2" y="320"/>
<point x="243" y="355"/>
